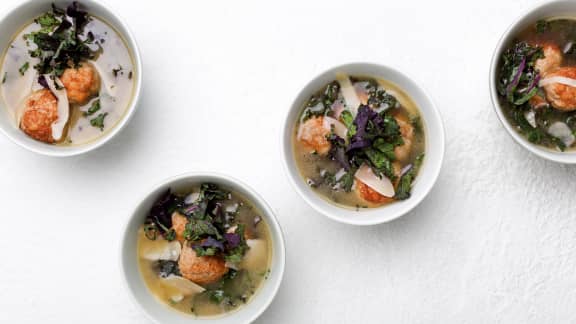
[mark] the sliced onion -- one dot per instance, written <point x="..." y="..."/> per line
<point x="561" y="131"/>
<point x="567" y="47"/>
<point x="382" y="186"/>
<point x="106" y="83"/>
<point x="530" y="116"/>
<point x="361" y="92"/>
<point x="191" y="198"/>
<point x="557" y="79"/>
<point x="337" y="108"/>
<point x="405" y="169"/>
<point x="339" y="174"/>
<point x="349" y="93"/>
<point x="339" y="128"/>
<point x="256" y="256"/>
<point x="160" y="249"/>
<point x="181" y="286"/>
<point x="63" y="107"/>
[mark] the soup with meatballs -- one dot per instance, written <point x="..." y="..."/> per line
<point x="359" y="142"/>
<point x="67" y="77"/>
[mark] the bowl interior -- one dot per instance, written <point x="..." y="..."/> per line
<point x="13" y="22"/>
<point x="162" y="313"/>
<point x="434" y="151"/>
<point x="562" y="8"/>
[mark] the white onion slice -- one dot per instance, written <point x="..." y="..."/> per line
<point x="530" y="116"/>
<point x="182" y="286"/>
<point x="382" y="186"/>
<point x="339" y="128"/>
<point x="256" y="256"/>
<point x="63" y="107"/>
<point x="339" y="174"/>
<point x="160" y="249"/>
<point x="349" y="93"/>
<point x="557" y="79"/>
<point x="337" y="108"/>
<point x="106" y="83"/>
<point x="567" y="47"/>
<point x="561" y="131"/>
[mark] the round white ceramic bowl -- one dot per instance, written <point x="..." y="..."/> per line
<point x="161" y="313"/>
<point x="434" y="134"/>
<point x="12" y="23"/>
<point x="544" y="10"/>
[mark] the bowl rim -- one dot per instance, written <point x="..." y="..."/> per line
<point x="433" y="174"/>
<point x="276" y="231"/>
<point x="130" y="39"/>
<point x="550" y="155"/>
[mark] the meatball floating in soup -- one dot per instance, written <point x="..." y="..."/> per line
<point x="537" y="83"/>
<point x="66" y="77"/>
<point x="204" y="252"/>
<point x="359" y="142"/>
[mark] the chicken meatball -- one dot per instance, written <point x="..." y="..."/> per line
<point x="179" y="222"/>
<point x="201" y="270"/>
<point x="402" y="152"/>
<point x="39" y="112"/>
<point x="551" y="60"/>
<point x="313" y="134"/>
<point x="561" y="96"/>
<point x="366" y="193"/>
<point x="81" y="83"/>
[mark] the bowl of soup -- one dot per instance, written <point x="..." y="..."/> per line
<point x="70" y="76"/>
<point x="533" y="81"/>
<point x="363" y="144"/>
<point x="203" y="246"/>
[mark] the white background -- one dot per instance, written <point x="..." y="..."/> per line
<point x="494" y="242"/>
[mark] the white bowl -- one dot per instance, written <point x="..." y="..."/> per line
<point x="12" y="23"/>
<point x="433" y="130"/>
<point x="161" y="313"/>
<point x="543" y="10"/>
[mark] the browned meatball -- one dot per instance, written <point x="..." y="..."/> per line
<point x="402" y="152"/>
<point x="40" y="111"/>
<point x="313" y="134"/>
<point x="562" y="96"/>
<point x="551" y="60"/>
<point x="366" y="193"/>
<point x="201" y="270"/>
<point x="81" y="83"/>
<point x="179" y="222"/>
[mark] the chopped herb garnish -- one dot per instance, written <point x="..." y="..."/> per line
<point x="4" y="77"/>
<point x="24" y="68"/>
<point x="98" y="122"/>
<point x="93" y="108"/>
<point x="60" y="42"/>
<point x="116" y="71"/>
<point x="130" y="75"/>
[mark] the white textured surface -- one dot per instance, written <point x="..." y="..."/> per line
<point x="494" y="242"/>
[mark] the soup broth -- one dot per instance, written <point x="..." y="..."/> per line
<point x="232" y="278"/>
<point x="359" y="142"/>
<point x="537" y="83"/>
<point x="87" y="118"/>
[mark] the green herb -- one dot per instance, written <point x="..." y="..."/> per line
<point x="170" y="235"/>
<point x="217" y="296"/>
<point x="542" y="26"/>
<point x="24" y="68"/>
<point x="93" y="108"/>
<point x="59" y="42"/>
<point x="4" y="77"/>
<point x="47" y="22"/>
<point x="151" y="231"/>
<point x="236" y="254"/>
<point x="116" y="71"/>
<point x="98" y="121"/>
<point x="200" y="228"/>
<point x="405" y="184"/>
